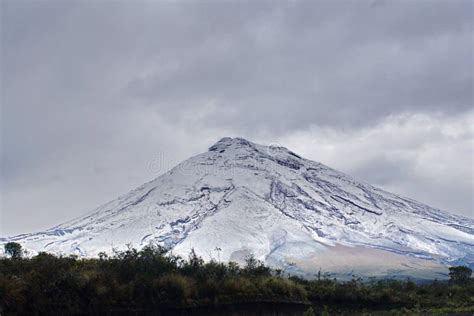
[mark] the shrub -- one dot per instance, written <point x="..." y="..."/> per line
<point x="460" y="274"/>
<point x="13" y="249"/>
<point x="172" y="289"/>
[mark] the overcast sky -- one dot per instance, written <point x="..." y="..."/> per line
<point x="100" y="96"/>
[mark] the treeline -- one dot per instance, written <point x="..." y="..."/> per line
<point x="154" y="280"/>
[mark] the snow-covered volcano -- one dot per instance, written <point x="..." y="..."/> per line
<point x="240" y="198"/>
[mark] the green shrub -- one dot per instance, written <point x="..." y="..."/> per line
<point x="173" y="289"/>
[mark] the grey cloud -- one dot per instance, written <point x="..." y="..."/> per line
<point x="382" y="171"/>
<point x="354" y="67"/>
<point x="107" y="85"/>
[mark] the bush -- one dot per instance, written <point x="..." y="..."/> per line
<point x="13" y="249"/>
<point x="172" y="289"/>
<point x="460" y="274"/>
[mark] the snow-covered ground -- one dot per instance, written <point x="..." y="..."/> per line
<point x="293" y="213"/>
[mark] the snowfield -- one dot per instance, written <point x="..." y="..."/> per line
<point x="240" y="198"/>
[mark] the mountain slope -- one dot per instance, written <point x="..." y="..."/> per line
<point x="240" y="198"/>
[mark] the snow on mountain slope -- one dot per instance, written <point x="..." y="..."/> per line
<point x="294" y="213"/>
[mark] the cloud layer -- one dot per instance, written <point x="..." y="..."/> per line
<point x="95" y="92"/>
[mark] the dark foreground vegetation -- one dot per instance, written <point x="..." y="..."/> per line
<point x="152" y="281"/>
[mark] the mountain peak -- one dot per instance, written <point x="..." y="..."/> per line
<point x="225" y="142"/>
<point x="242" y="142"/>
